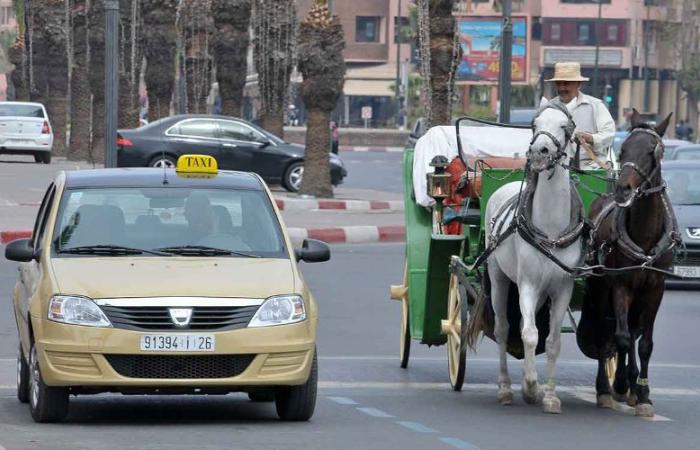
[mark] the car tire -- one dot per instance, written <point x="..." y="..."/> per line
<point x="163" y="160"/>
<point x="43" y="157"/>
<point x="297" y="403"/>
<point x="291" y="180"/>
<point x="22" y="376"/>
<point x="47" y="404"/>
<point x="262" y="396"/>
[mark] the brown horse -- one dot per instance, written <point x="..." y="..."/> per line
<point x="632" y="228"/>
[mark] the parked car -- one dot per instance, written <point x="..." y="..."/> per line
<point x="685" y="151"/>
<point x="522" y="116"/>
<point x="235" y="143"/>
<point x="683" y="180"/>
<point x="670" y="144"/>
<point x="25" y="129"/>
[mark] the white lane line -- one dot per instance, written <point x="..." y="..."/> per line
<point x="7" y="386"/>
<point x="623" y="408"/>
<point x="458" y="443"/>
<point x="673" y="392"/>
<point x="374" y="412"/>
<point x="343" y="400"/>
<point x="417" y="427"/>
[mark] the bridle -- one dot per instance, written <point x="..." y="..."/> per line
<point x="555" y="158"/>
<point x="647" y="186"/>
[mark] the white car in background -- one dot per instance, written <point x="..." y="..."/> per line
<point x="25" y="130"/>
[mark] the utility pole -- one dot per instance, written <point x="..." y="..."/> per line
<point x="645" y="36"/>
<point x="597" y="32"/>
<point x="506" y="61"/>
<point x="111" y="8"/>
<point x="397" y="34"/>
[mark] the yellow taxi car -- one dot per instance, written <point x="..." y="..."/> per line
<point x="148" y="281"/>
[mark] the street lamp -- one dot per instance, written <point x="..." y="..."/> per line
<point x="597" y="47"/>
<point x="111" y="80"/>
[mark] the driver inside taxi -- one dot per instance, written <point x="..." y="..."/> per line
<point x="200" y="217"/>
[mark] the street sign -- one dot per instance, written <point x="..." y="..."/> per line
<point x="366" y="112"/>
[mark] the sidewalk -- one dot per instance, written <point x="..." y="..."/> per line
<point x="354" y="215"/>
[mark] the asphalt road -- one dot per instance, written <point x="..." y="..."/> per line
<point x="366" y="401"/>
<point x="374" y="170"/>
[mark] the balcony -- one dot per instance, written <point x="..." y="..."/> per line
<point x="615" y="57"/>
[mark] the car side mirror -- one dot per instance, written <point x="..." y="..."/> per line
<point x="313" y="250"/>
<point x="20" y="250"/>
<point x="264" y="142"/>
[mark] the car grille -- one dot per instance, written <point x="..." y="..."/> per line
<point x="688" y="257"/>
<point x="179" y="366"/>
<point x="158" y="317"/>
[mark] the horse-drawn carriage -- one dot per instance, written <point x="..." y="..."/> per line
<point x="450" y="177"/>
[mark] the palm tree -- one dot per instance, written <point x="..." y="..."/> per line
<point x="274" y="28"/>
<point x="18" y="56"/>
<point x="160" y="42"/>
<point x="440" y="54"/>
<point x="321" y="63"/>
<point x="230" y="51"/>
<point x="80" y="95"/>
<point x="96" y="76"/>
<point x="130" y="62"/>
<point x="195" y="27"/>
<point x="50" y="65"/>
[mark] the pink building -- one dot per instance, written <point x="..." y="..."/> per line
<point x="7" y="23"/>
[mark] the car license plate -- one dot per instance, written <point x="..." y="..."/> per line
<point x="687" y="271"/>
<point x="178" y="343"/>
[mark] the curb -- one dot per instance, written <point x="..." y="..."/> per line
<point x="345" y="148"/>
<point x="336" y="235"/>
<point x="300" y="204"/>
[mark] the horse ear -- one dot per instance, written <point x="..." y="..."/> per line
<point x="661" y="128"/>
<point x="635" y="119"/>
<point x="543" y="101"/>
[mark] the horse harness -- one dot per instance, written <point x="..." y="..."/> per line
<point x="568" y="132"/>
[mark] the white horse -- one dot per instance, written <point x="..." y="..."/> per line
<point x="536" y="276"/>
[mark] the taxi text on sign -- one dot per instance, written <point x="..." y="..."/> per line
<point x="197" y="164"/>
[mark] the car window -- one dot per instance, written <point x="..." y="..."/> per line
<point x="687" y="153"/>
<point x="35" y="111"/>
<point x="238" y="131"/>
<point x="195" y="128"/>
<point x="42" y="217"/>
<point x="151" y="218"/>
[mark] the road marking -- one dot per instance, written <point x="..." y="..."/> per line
<point x="374" y="412"/>
<point x="7" y="386"/>
<point x="417" y="427"/>
<point x="623" y="408"/>
<point x="673" y="392"/>
<point x="458" y="443"/>
<point x="343" y="400"/>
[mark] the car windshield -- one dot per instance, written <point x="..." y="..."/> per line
<point x="683" y="186"/>
<point x="168" y="221"/>
<point x="34" y="111"/>
<point x="687" y="152"/>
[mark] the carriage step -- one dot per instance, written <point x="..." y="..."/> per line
<point x="568" y="330"/>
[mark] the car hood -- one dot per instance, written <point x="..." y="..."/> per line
<point x="688" y="217"/>
<point x="114" y="277"/>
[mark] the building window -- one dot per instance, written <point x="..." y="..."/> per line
<point x="555" y="32"/>
<point x="367" y="29"/>
<point x="7" y="13"/>
<point x="402" y="30"/>
<point x="584" y="33"/>
<point x="612" y="33"/>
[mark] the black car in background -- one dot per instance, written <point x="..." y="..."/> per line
<point x="235" y="143"/>
<point x="683" y="181"/>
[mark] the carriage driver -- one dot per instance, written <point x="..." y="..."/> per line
<point x="595" y="127"/>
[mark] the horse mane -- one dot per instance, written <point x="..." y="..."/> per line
<point x="640" y="126"/>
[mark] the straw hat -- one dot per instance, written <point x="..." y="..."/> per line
<point x="567" y="71"/>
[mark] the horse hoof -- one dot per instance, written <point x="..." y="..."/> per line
<point x="622" y="398"/>
<point x="505" y="397"/>
<point x="604" y="401"/>
<point x="551" y="405"/>
<point x="531" y="392"/>
<point x="644" y="410"/>
<point x="632" y="400"/>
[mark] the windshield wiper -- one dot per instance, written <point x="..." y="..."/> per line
<point x="203" y="250"/>
<point x="110" y="250"/>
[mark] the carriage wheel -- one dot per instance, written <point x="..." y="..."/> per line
<point x="611" y="368"/>
<point x="401" y="293"/>
<point x="457" y="314"/>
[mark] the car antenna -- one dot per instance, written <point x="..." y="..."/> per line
<point x="165" y="173"/>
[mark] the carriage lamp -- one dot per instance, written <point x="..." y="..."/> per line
<point x="439" y="180"/>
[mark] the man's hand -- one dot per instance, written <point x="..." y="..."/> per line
<point x="582" y="136"/>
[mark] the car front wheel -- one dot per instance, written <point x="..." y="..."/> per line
<point x="161" y="161"/>
<point x="293" y="176"/>
<point x="46" y="403"/>
<point x="297" y="403"/>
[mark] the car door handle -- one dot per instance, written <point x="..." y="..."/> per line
<point x="230" y="145"/>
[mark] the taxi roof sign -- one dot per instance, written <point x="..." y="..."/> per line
<point x="197" y="164"/>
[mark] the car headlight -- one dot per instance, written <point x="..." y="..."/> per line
<point x="335" y="159"/>
<point x="77" y="311"/>
<point x="279" y="310"/>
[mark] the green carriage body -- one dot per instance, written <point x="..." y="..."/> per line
<point x="428" y="254"/>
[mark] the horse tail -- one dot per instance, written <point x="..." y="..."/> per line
<point x="478" y="319"/>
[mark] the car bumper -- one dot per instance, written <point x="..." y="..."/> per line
<point x="85" y="357"/>
<point x="337" y="174"/>
<point x="130" y="158"/>
<point x="26" y="146"/>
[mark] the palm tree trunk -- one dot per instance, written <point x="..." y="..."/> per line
<point x="80" y="96"/>
<point x="275" y="53"/>
<point x="96" y="74"/>
<point x="130" y="62"/>
<point x="317" y="176"/>
<point x="230" y="49"/>
<point x="18" y="78"/>
<point x="196" y="34"/>
<point x="159" y="37"/>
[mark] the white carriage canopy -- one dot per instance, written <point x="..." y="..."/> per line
<point x="477" y="142"/>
